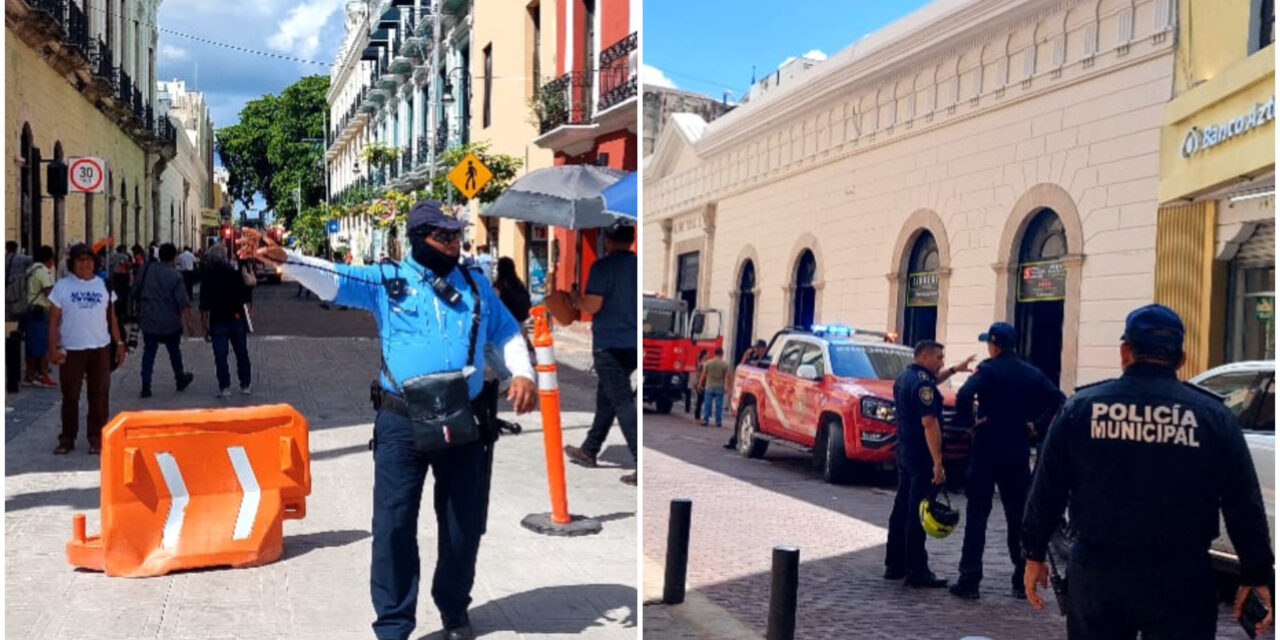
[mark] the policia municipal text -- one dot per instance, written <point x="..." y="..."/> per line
<point x="434" y="319"/>
<point x="1145" y="508"/>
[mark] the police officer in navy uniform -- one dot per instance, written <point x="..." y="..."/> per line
<point x="1013" y="395"/>
<point x="422" y="332"/>
<point x="1143" y="463"/>
<point x="918" y="407"/>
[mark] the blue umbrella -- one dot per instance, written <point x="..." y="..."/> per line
<point x="620" y="197"/>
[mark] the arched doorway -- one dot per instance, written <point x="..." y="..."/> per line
<point x="744" y="327"/>
<point x="1041" y="285"/>
<point x="920" y="315"/>
<point x="806" y="295"/>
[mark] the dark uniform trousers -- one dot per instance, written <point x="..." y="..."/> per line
<point x="904" y="551"/>
<point x="1116" y="593"/>
<point x="1011" y="473"/>
<point x="461" y="492"/>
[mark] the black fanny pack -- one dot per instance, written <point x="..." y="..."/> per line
<point x="439" y="404"/>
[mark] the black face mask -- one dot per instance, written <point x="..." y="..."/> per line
<point x="437" y="261"/>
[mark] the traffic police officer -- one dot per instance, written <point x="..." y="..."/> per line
<point x="1013" y="394"/>
<point x="425" y="325"/>
<point x="918" y="407"/>
<point x="1143" y="463"/>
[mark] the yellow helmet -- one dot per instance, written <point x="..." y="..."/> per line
<point x="937" y="516"/>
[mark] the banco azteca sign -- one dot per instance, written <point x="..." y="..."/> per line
<point x="1198" y="139"/>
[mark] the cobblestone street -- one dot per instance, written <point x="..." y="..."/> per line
<point x="742" y="508"/>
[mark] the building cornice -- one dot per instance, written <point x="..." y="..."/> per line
<point x="929" y="45"/>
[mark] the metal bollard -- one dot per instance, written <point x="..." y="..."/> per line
<point x="784" y="581"/>
<point x="677" y="551"/>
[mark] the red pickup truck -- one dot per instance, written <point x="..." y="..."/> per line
<point x="830" y="391"/>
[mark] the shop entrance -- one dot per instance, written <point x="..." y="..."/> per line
<point x="920" y="313"/>
<point x="1041" y="289"/>
<point x="802" y="306"/>
<point x="746" y="313"/>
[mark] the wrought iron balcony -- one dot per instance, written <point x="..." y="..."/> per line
<point x="124" y="87"/>
<point x="138" y="111"/>
<point x="104" y="68"/>
<point x="166" y="132"/>
<point x="442" y="136"/>
<point x="54" y="8"/>
<point x="75" y="28"/>
<point x="149" y="118"/>
<point x="406" y="160"/>
<point x="565" y="100"/>
<point x="617" y="79"/>
<point x="424" y="149"/>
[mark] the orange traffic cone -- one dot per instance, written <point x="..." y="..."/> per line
<point x="559" y="522"/>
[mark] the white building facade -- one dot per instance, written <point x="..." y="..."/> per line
<point x="975" y="161"/>
<point x="187" y="181"/>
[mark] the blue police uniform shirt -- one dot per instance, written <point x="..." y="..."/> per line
<point x="421" y="333"/>
<point x="1144" y="462"/>
<point x="915" y="395"/>
<point x="1011" y="392"/>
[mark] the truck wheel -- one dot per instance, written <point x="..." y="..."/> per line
<point x="748" y="425"/>
<point x="664" y="405"/>
<point x="836" y="468"/>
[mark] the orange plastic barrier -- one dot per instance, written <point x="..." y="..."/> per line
<point x="196" y="488"/>
<point x="549" y="403"/>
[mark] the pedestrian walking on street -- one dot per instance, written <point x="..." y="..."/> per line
<point x="187" y="267"/>
<point x="223" y="296"/>
<point x="753" y="357"/>
<point x="699" y="392"/>
<point x="434" y="319"/>
<point x="1013" y="395"/>
<point x="918" y="406"/>
<point x="485" y="261"/>
<point x="35" y="322"/>
<point x="82" y="327"/>
<point x="611" y="299"/>
<point x="515" y="297"/>
<point x="1144" y="462"/>
<point x="714" y="373"/>
<point x="164" y="310"/>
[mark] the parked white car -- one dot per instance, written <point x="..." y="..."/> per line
<point x="1250" y="390"/>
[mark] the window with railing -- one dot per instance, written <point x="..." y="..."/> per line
<point x="565" y="100"/>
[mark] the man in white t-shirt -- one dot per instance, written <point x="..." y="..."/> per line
<point x="81" y="329"/>
<point x="187" y="267"/>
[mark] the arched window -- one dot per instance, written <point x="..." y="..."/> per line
<point x="1041" y="290"/>
<point x="802" y="309"/>
<point x="920" y="316"/>
<point x="746" y="312"/>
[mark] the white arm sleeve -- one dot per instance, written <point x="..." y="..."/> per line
<point x="515" y="355"/>
<point x="315" y="274"/>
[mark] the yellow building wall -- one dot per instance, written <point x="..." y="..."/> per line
<point x="37" y="96"/>
<point x="1232" y="93"/>
<point x="1185" y="275"/>
<point x="1212" y="35"/>
<point x="510" y="130"/>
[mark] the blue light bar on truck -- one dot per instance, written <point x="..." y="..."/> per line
<point x="832" y="329"/>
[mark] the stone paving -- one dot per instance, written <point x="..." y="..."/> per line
<point x="527" y="585"/>
<point x="742" y="508"/>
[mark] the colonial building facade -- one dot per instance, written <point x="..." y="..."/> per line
<point x="80" y="81"/>
<point x="186" y="185"/>
<point x="974" y="161"/>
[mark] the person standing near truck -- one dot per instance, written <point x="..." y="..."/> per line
<point x="714" y="372"/>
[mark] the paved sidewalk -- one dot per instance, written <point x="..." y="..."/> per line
<point x="527" y="585"/>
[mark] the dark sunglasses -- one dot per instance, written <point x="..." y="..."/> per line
<point x="445" y="236"/>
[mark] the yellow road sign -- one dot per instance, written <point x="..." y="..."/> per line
<point x="470" y="175"/>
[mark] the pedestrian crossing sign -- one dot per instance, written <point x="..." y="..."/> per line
<point x="470" y="175"/>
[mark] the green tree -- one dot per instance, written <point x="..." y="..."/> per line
<point x="265" y="151"/>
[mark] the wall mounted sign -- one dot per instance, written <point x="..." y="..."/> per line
<point x="1198" y="139"/>
<point x="1042" y="281"/>
<point x="922" y="289"/>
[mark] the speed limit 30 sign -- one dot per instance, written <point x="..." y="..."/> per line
<point x="87" y="175"/>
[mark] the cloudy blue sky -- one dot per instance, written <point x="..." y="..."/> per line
<point x="710" y="47"/>
<point x="308" y="29"/>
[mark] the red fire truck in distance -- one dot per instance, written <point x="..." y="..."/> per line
<point x="829" y="391"/>
<point x="673" y="343"/>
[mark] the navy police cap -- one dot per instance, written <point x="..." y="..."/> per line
<point x="1001" y="333"/>
<point x="1154" y="325"/>
<point x="429" y="214"/>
